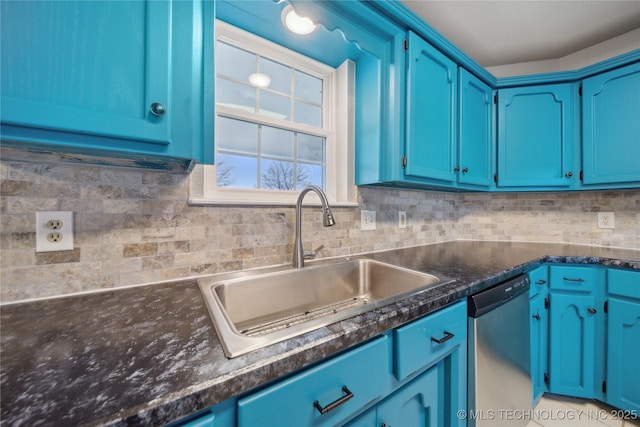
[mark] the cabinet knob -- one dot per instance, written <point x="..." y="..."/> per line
<point x="569" y="174"/>
<point x="536" y="316"/>
<point x="465" y="170"/>
<point x="456" y="169"/>
<point x="591" y="310"/>
<point x="158" y="109"/>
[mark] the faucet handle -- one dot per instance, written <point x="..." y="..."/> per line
<point x="309" y="254"/>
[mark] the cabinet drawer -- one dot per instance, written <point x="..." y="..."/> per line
<point x="539" y="280"/>
<point x="424" y="341"/>
<point x="625" y="283"/>
<point x="363" y="373"/>
<point x="573" y="278"/>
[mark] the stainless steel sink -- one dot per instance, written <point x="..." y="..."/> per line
<point x="251" y="310"/>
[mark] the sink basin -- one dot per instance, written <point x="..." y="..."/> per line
<point x="258" y="309"/>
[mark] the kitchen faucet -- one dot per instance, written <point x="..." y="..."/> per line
<point x="327" y="221"/>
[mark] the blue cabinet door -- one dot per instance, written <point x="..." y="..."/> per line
<point x="623" y="367"/>
<point x="431" y="112"/>
<point x="476" y="131"/>
<point x="536" y="132"/>
<point x="572" y="322"/>
<point x="104" y="75"/>
<point x="415" y="405"/>
<point x="539" y="348"/>
<point x="611" y="127"/>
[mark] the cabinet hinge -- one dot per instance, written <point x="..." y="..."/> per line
<point x="547" y="303"/>
<point x="604" y="386"/>
<point x="406" y="45"/>
<point x="404" y="161"/>
<point x="495" y="178"/>
<point x="546" y="378"/>
<point x="580" y="90"/>
<point x="581" y="176"/>
<point x="495" y="98"/>
<point x="606" y="306"/>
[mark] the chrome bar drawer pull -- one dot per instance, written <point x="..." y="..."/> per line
<point x="347" y="395"/>
<point x="447" y="337"/>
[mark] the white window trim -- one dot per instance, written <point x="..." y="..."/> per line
<point x="338" y="131"/>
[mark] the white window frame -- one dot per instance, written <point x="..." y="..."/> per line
<point x="338" y="129"/>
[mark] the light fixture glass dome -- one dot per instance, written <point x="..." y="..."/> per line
<point x="296" y="23"/>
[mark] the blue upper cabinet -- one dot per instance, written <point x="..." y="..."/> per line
<point x="431" y="112"/>
<point x="536" y="137"/>
<point x="611" y="128"/>
<point x="475" y="132"/>
<point x="104" y="77"/>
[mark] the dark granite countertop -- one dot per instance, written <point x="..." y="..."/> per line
<point x="149" y="355"/>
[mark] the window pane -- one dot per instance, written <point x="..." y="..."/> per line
<point x="279" y="74"/>
<point x="276" y="106"/>
<point x="236" y="95"/>
<point x="236" y="135"/>
<point x="308" y="114"/>
<point x="277" y="175"/>
<point x="277" y="142"/>
<point x="237" y="171"/>
<point x="308" y="87"/>
<point x="310" y="174"/>
<point x="311" y="148"/>
<point x="234" y="62"/>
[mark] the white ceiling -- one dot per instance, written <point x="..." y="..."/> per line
<point x="496" y="33"/>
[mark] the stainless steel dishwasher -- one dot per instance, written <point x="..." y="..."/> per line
<point x="499" y="381"/>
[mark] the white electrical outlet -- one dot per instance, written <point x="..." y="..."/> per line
<point x="402" y="219"/>
<point x="606" y="220"/>
<point x="367" y="220"/>
<point x="54" y="231"/>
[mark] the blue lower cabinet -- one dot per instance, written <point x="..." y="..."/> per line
<point x="201" y="421"/>
<point x="415" y="405"/>
<point x="326" y="394"/>
<point x="539" y="321"/>
<point x="622" y="387"/>
<point x="572" y="344"/>
<point x="221" y="415"/>
<point x="623" y="367"/>
<point x="359" y="386"/>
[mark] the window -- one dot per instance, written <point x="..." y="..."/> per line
<point x="282" y="122"/>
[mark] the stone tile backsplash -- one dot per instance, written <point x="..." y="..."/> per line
<point x="135" y="227"/>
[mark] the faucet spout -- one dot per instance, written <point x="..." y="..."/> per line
<point x="327" y="221"/>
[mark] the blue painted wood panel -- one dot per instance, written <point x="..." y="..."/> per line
<point x="91" y="67"/>
<point x="80" y="77"/>
<point x="611" y="127"/>
<point x="475" y="131"/>
<point x="536" y="137"/>
<point x="365" y="372"/>
<point x="623" y="368"/>
<point x="418" y="404"/>
<point x="572" y="345"/>
<point x="431" y="112"/>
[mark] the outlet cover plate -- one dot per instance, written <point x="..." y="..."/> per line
<point x="367" y="220"/>
<point x="402" y="219"/>
<point x="65" y="232"/>
<point x="606" y="220"/>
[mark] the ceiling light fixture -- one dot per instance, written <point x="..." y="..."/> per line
<point x="296" y="23"/>
<point x="260" y="80"/>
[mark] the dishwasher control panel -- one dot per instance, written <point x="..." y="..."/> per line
<point x="497" y="295"/>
